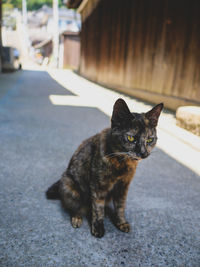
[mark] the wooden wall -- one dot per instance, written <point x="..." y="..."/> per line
<point x="71" y="51"/>
<point x="150" y="49"/>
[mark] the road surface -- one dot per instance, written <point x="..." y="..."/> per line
<point x="37" y="139"/>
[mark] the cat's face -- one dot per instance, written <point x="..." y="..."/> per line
<point x="134" y="133"/>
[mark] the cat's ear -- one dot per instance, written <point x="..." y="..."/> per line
<point x="121" y="113"/>
<point x="154" y="114"/>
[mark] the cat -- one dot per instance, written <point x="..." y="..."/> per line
<point x="103" y="166"/>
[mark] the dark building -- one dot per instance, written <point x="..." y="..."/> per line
<point x="149" y="49"/>
<point x="0" y="36"/>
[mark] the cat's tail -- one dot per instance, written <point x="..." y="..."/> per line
<point x="53" y="191"/>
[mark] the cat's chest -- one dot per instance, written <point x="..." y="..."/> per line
<point x="121" y="170"/>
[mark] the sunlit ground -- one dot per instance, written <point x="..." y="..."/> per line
<point x="178" y="143"/>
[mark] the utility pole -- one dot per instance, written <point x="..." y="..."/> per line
<point x="55" y="33"/>
<point x="25" y="41"/>
<point x="24" y="13"/>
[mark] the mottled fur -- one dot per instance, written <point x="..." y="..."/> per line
<point x="103" y="166"/>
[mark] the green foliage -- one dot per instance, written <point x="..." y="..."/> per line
<point x="13" y="3"/>
<point x="7" y="8"/>
<point x="31" y="4"/>
<point x="36" y="4"/>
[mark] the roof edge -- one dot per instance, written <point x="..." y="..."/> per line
<point x="73" y="3"/>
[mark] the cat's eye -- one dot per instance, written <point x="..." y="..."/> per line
<point x="130" y="138"/>
<point x="149" y="140"/>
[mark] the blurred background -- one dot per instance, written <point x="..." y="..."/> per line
<point x="38" y="30"/>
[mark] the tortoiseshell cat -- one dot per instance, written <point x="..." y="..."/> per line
<point x="103" y="166"/>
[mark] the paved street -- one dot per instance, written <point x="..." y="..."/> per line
<point x="37" y="138"/>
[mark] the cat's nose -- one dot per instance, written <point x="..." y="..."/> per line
<point x="144" y="154"/>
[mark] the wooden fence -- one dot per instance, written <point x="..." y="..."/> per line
<point x="150" y="49"/>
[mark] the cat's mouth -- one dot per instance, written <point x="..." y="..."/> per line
<point x="138" y="157"/>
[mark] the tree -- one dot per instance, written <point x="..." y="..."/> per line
<point x="31" y="4"/>
<point x="36" y="4"/>
<point x="13" y="3"/>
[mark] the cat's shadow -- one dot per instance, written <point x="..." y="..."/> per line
<point x="64" y="212"/>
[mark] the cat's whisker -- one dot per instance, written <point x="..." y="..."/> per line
<point x="122" y="159"/>
<point x="124" y="154"/>
<point x="112" y="155"/>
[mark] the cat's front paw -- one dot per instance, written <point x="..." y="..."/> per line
<point x="124" y="227"/>
<point x="76" y="221"/>
<point x="98" y="229"/>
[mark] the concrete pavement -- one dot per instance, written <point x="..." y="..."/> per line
<point x="37" y="139"/>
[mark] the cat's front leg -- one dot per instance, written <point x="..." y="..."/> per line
<point x="97" y="225"/>
<point x="119" y="201"/>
